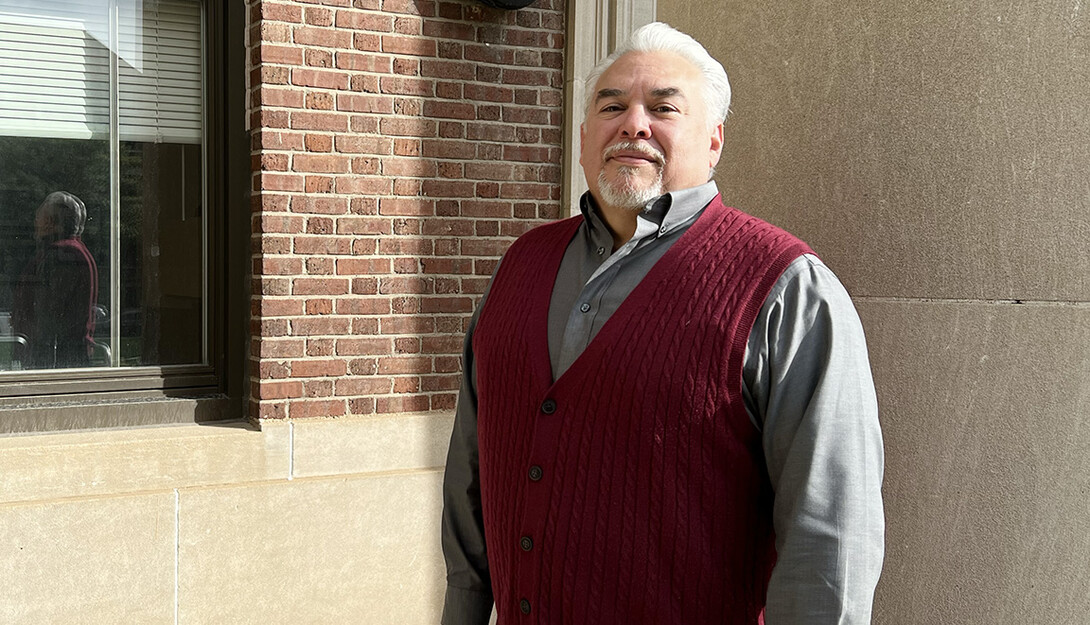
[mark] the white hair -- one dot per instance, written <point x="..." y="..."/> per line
<point x="660" y="37"/>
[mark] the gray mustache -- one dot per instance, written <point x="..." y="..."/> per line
<point x="632" y="146"/>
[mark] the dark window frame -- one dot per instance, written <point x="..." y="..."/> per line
<point x="58" y="400"/>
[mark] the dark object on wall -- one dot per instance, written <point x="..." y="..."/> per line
<point x="510" y="5"/>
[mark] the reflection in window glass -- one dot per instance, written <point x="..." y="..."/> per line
<point x="54" y="211"/>
<point x="161" y="233"/>
<point x="102" y="224"/>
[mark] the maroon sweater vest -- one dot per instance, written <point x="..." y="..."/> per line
<point x="632" y="490"/>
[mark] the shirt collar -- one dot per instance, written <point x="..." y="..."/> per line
<point x="667" y="212"/>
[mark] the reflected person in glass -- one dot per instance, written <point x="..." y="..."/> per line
<point x="56" y="295"/>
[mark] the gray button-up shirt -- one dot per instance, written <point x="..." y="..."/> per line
<point x="807" y="386"/>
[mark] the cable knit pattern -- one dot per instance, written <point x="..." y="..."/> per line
<point x="653" y="505"/>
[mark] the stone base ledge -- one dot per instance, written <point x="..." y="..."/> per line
<point x="98" y="463"/>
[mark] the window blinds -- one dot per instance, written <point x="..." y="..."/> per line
<point x="54" y="81"/>
<point x="162" y="103"/>
<point x="55" y="74"/>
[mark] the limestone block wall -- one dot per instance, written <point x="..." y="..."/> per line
<point x="935" y="155"/>
<point x="319" y="521"/>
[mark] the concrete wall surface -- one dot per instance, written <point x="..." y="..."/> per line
<point x="291" y="524"/>
<point x="936" y="156"/>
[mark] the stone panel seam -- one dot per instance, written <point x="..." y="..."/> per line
<point x="5" y="505"/>
<point x="384" y="473"/>
<point x="326" y="477"/>
<point x="989" y="302"/>
<point x="21" y="503"/>
<point x="177" y="550"/>
<point x="291" y="451"/>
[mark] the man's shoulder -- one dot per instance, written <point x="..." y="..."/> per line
<point x="734" y="223"/>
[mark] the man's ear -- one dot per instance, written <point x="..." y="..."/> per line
<point x="582" y="139"/>
<point x="716" y="145"/>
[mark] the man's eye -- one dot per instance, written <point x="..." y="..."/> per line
<point x="665" y="109"/>
<point x="611" y="108"/>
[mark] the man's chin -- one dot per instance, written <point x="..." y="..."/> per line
<point x="630" y="195"/>
<point x="635" y="169"/>
<point x="632" y="180"/>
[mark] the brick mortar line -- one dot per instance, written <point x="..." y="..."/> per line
<point x="308" y="89"/>
<point x="410" y="158"/>
<point x="412" y="55"/>
<point x="335" y="133"/>
<point x="422" y="37"/>
<point x="395" y="15"/>
<point x="380" y="175"/>
<point x="335" y="70"/>
<point x="353" y="155"/>
<point x="400" y="117"/>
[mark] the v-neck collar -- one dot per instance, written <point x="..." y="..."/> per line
<point x="666" y="267"/>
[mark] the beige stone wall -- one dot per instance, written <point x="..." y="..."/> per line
<point x="936" y="156"/>
<point x="319" y="521"/>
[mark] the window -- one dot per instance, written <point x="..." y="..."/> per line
<point x="111" y="213"/>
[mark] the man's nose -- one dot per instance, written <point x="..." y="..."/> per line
<point x="636" y="124"/>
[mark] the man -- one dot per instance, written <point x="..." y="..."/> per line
<point x="667" y="415"/>
<point x="56" y="295"/>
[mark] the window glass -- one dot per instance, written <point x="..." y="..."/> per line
<point x="103" y="228"/>
<point x="54" y="216"/>
<point x="160" y="296"/>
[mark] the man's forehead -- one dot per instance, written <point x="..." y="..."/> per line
<point x="660" y="74"/>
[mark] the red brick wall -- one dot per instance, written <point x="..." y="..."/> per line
<point x="398" y="148"/>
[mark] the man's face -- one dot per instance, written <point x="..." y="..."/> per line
<point x="646" y="132"/>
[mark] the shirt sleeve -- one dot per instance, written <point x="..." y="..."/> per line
<point x="808" y="387"/>
<point x="468" y="599"/>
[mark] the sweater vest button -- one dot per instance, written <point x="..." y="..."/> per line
<point x="524" y="605"/>
<point x="548" y="406"/>
<point x="526" y="543"/>
<point x="536" y="473"/>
